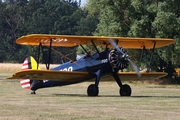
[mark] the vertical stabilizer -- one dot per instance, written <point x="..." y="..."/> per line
<point x="29" y="63"/>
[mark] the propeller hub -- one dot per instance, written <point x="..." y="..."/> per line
<point x="118" y="60"/>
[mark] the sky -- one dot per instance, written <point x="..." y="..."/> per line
<point x="83" y="2"/>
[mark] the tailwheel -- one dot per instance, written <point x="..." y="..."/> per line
<point x="33" y="92"/>
<point x="93" y="90"/>
<point x="125" y="90"/>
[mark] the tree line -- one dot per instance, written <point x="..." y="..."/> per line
<point x="124" y="18"/>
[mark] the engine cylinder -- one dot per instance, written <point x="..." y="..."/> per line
<point x="118" y="60"/>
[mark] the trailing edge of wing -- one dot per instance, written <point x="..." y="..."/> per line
<point x="70" y="41"/>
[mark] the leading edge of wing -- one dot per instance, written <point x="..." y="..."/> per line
<point x="70" y="41"/>
<point x="51" y="75"/>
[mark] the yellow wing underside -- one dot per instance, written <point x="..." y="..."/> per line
<point x="78" y="76"/>
<point x="70" y="41"/>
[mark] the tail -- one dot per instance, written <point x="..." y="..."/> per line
<point x="29" y="63"/>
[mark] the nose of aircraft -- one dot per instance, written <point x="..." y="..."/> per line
<point x="118" y="60"/>
<point x="124" y="59"/>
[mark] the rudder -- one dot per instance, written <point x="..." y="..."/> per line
<point x="29" y="63"/>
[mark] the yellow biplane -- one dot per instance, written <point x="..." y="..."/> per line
<point x="103" y="65"/>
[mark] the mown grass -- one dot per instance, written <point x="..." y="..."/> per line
<point x="148" y="101"/>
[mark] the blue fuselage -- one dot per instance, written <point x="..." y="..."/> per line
<point x="88" y="63"/>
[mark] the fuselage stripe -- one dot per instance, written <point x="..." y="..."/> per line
<point x="25" y="62"/>
<point x="24" y="67"/>
<point x="25" y="86"/>
<point x="24" y="81"/>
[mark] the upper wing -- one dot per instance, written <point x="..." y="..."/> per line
<point x="69" y="41"/>
<point x="52" y="75"/>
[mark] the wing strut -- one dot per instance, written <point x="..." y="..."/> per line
<point x="152" y="52"/>
<point x="148" y="61"/>
<point x="95" y="46"/>
<point x="38" y="54"/>
<point x="84" y="48"/>
<point x="49" y="56"/>
<point x="47" y="62"/>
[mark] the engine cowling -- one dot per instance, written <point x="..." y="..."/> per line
<point x="118" y="60"/>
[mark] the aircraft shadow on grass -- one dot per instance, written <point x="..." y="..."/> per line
<point x="146" y="96"/>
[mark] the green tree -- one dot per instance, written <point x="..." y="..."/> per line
<point x="11" y="22"/>
<point x="139" y="18"/>
<point x="23" y="17"/>
<point x="55" y="17"/>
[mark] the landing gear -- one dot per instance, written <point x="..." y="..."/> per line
<point x="93" y="90"/>
<point x="125" y="90"/>
<point x="33" y="92"/>
<point x="36" y="84"/>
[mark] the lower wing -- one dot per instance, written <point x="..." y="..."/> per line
<point x="132" y="76"/>
<point x="80" y="76"/>
<point x="51" y="75"/>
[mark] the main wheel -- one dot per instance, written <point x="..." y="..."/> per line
<point x="125" y="90"/>
<point x="93" y="90"/>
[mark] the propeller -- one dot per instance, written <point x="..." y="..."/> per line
<point x="126" y="56"/>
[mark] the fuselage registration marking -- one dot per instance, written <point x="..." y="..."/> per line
<point x="67" y="69"/>
<point x="104" y="61"/>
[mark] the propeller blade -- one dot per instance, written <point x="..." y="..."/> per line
<point x="115" y="46"/>
<point x="135" y="68"/>
<point x="132" y="64"/>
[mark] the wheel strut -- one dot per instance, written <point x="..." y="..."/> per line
<point x="93" y="89"/>
<point x="125" y="90"/>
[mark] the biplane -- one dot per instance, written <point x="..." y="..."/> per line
<point x="102" y="65"/>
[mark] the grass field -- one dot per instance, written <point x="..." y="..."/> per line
<point x="148" y="102"/>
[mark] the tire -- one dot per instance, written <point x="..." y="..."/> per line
<point x="93" y="90"/>
<point x="125" y="90"/>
